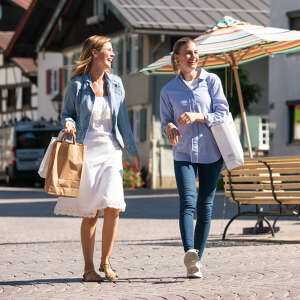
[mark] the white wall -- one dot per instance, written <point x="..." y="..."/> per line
<point x="46" y="60"/>
<point x="284" y="83"/>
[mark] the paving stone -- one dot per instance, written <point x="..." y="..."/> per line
<point x="41" y="259"/>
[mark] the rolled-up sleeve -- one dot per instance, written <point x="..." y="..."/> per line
<point x="166" y="111"/>
<point x="69" y="112"/>
<point x="220" y="109"/>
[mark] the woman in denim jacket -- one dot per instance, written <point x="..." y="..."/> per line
<point x="189" y="104"/>
<point x="95" y="109"/>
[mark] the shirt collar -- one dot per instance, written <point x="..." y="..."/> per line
<point x="202" y="76"/>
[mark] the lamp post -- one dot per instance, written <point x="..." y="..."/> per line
<point x="57" y="103"/>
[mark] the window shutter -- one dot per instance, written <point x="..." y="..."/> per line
<point x="120" y="56"/>
<point x="140" y="51"/>
<point x="128" y="54"/>
<point x="61" y="76"/>
<point x="48" y="82"/>
<point x="143" y="124"/>
<point x="130" y="116"/>
<point x="65" y="71"/>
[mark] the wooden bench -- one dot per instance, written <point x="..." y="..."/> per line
<point x="266" y="180"/>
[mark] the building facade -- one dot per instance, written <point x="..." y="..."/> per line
<point x="18" y="88"/>
<point x="141" y="32"/>
<point x="284" y="87"/>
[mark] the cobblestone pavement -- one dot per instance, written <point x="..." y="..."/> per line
<point x="40" y="255"/>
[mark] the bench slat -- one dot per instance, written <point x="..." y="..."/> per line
<point x="261" y="178"/>
<point x="266" y="201"/>
<point x="252" y="194"/>
<point x="274" y="158"/>
<point x="262" y="186"/>
<point x="266" y="171"/>
<point x="254" y="166"/>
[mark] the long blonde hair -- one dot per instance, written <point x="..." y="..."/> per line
<point x="176" y="49"/>
<point x="84" y="63"/>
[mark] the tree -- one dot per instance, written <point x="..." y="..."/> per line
<point x="251" y="91"/>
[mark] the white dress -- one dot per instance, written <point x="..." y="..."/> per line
<point x="102" y="180"/>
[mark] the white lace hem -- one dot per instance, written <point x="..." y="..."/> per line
<point x="78" y="213"/>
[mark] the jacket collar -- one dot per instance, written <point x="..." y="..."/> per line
<point x="87" y="78"/>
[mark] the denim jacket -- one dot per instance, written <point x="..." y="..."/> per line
<point x="78" y="107"/>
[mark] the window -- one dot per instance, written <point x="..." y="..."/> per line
<point x="97" y="12"/>
<point x="294" y="120"/>
<point x="66" y="70"/>
<point x="138" y="122"/>
<point x="134" y="53"/>
<point x="294" y="19"/>
<point x="54" y="81"/>
<point x="11" y="99"/>
<point x="26" y="96"/>
<point x="98" y="7"/>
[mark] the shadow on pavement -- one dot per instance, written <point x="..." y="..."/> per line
<point x="153" y="280"/>
<point x="231" y="242"/>
<point x="213" y="242"/>
<point x="41" y="281"/>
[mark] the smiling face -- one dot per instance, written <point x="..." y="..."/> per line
<point x="187" y="57"/>
<point x="103" y="57"/>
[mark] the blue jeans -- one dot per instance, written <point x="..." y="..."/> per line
<point x="185" y="173"/>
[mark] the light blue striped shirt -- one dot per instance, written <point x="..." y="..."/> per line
<point x="197" y="144"/>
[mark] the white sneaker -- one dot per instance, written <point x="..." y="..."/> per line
<point x="192" y="264"/>
<point x="197" y="274"/>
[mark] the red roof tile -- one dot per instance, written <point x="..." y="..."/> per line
<point x="5" y="37"/>
<point x="26" y="64"/>
<point x="23" y="3"/>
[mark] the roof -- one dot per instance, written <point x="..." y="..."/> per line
<point x="23" y="3"/>
<point x="5" y="37"/>
<point x="26" y="64"/>
<point x="187" y="15"/>
<point x="31" y="26"/>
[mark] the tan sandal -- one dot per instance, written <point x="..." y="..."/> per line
<point x="112" y="275"/>
<point x="95" y="274"/>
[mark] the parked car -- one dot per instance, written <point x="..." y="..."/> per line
<point x="22" y="147"/>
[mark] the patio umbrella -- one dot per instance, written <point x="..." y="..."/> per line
<point x="232" y="42"/>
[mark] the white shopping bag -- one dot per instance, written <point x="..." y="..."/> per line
<point x="45" y="161"/>
<point x="228" y="142"/>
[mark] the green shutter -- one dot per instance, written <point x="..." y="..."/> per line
<point x="140" y="53"/>
<point x="130" y="116"/>
<point x="143" y="124"/>
<point x="253" y="126"/>
<point x="65" y="76"/>
<point x="120" y="57"/>
<point x="128" y="53"/>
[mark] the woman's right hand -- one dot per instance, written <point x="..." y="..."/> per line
<point x="70" y="127"/>
<point x="172" y="134"/>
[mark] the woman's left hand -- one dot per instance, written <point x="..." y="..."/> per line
<point x="136" y="163"/>
<point x="190" y="117"/>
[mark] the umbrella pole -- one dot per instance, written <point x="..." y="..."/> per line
<point x="243" y="113"/>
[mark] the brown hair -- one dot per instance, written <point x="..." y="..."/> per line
<point x="83" y="65"/>
<point x="176" y="48"/>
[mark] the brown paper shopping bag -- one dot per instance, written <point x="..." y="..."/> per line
<point x="65" y="168"/>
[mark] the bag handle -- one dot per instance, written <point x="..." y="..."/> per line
<point x="64" y="138"/>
